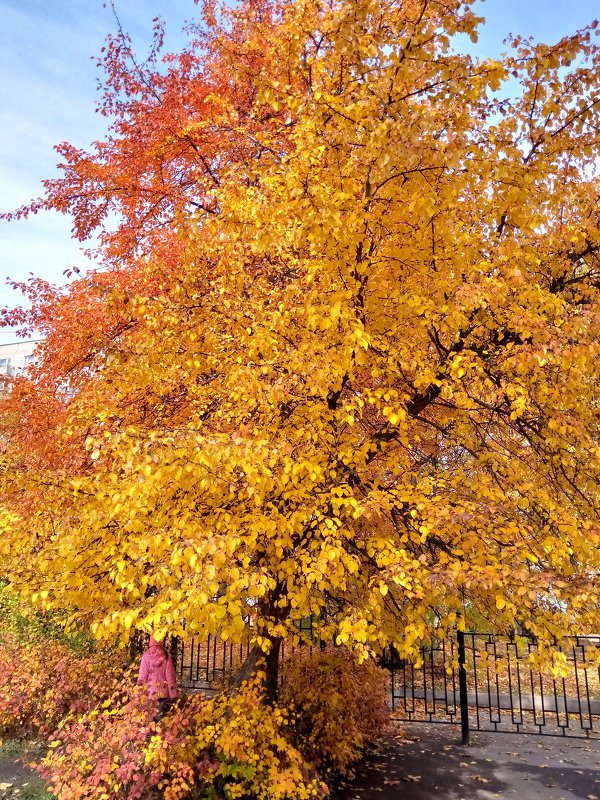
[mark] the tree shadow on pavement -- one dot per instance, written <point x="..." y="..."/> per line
<point x="428" y="762"/>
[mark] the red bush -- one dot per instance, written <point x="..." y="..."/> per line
<point x="228" y="747"/>
<point x="42" y="682"/>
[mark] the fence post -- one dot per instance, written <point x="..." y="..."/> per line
<point x="462" y="688"/>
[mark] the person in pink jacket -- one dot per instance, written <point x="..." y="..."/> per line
<point x="157" y="673"/>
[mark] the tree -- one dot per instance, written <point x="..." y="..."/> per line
<point x="342" y="360"/>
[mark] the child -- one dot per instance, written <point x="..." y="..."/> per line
<point x="158" y="674"/>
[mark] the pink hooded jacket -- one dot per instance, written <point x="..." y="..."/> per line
<point x="157" y="671"/>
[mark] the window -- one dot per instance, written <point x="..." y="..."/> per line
<point x="5" y="367"/>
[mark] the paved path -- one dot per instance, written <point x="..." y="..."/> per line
<point x="17" y="779"/>
<point x="427" y="762"/>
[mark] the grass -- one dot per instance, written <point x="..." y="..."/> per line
<point x="34" y="790"/>
<point x="12" y="748"/>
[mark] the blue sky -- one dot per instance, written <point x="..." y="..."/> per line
<point x="48" y="93"/>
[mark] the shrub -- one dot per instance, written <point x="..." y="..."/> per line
<point x="230" y="747"/>
<point x="339" y="706"/>
<point x="20" y="621"/>
<point x="42" y="682"/>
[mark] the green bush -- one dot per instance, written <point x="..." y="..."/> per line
<point x="21" y="621"/>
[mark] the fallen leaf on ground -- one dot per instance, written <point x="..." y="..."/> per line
<point x="479" y="778"/>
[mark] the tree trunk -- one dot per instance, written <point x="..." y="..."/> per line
<point x="259" y="661"/>
<point x="267" y="664"/>
<point x="272" y="672"/>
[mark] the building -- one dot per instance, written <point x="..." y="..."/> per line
<point x="16" y="357"/>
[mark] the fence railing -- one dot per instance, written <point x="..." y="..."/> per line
<point x="203" y="664"/>
<point x="480" y="681"/>
<point x="487" y="682"/>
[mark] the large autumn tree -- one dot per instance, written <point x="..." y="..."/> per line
<point x="341" y="358"/>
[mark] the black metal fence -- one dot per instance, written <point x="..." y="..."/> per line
<point x="204" y="664"/>
<point x="480" y="681"/>
<point x="486" y="682"/>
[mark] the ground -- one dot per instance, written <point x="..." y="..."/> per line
<point x="17" y="778"/>
<point x="422" y="762"/>
<point x="427" y="762"/>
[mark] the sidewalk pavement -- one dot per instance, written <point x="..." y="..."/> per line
<point x="427" y="762"/>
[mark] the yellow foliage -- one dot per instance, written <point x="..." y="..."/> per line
<point x="367" y="388"/>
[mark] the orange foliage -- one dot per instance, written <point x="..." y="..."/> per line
<point x="43" y="682"/>
<point x="339" y="706"/>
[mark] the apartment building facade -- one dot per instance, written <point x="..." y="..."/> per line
<point x="17" y="356"/>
